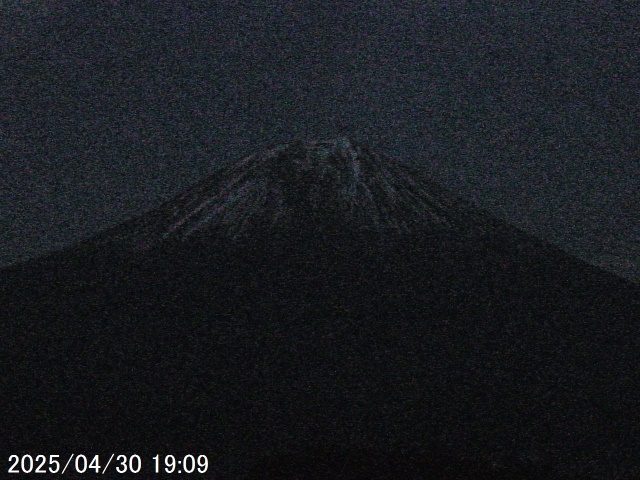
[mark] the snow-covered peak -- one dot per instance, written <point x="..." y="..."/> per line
<point x="329" y="182"/>
<point x="322" y="187"/>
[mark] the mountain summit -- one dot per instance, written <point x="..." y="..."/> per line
<point x="301" y="189"/>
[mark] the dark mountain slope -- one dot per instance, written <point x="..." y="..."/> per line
<point x="296" y="303"/>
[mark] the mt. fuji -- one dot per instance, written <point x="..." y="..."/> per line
<point x="314" y="305"/>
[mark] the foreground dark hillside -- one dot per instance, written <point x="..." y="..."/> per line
<point x="473" y="353"/>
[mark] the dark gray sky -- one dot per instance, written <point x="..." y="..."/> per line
<point x="530" y="108"/>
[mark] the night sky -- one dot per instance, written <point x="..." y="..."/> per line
<point x="530" y="109"/>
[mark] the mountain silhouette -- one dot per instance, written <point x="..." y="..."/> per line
<point x="322" y="310"/>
